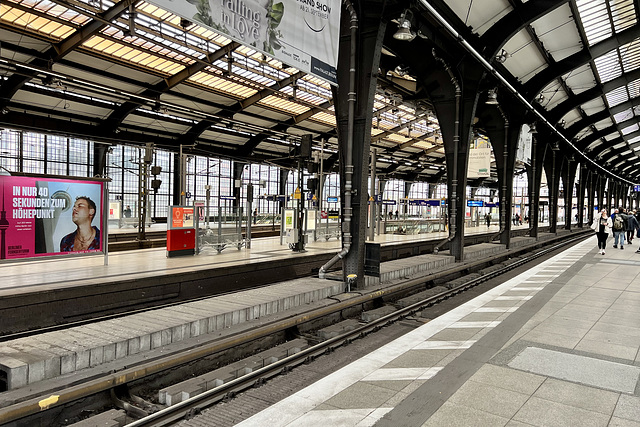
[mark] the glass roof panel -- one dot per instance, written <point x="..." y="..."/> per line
<point x="603" y="124"/>
<point x="623" y="13"/>
<point x="630" y="129"/>
<point x="580" y="79"/>
<point x="608" y="66"/>
<point x="612" y="136"/>
<point x="328" y="119"/>
<point x="595" y="19"/>
<point x="623" y="115"/>
<point x="630" y="55"/>
<point x="285" y="105"/>
<point x="617" y="96"/>
<point x="634" y="140"/>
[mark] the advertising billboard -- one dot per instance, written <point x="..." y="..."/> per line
<point x="49" y="216"/>
<point x="182" y="217"/>
<point x="301" y="33"/>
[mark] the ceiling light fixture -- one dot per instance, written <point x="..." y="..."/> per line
<point x="502" y="56"/>
<point x="404" y="32"/>
<point x="492" y="97"/>
<point x="401" y="70"/>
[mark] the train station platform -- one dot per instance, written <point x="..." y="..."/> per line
<point x="555" y="346"/>
<point x="107" y="343"/>
<point x="74" y="288"/>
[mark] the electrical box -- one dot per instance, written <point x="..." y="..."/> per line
<point x="181" y="242"/>
<point x="292" y="237"/>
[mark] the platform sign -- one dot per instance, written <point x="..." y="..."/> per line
<point x="636" y="188"/>
<point x="388" y="202"/>
<point x="491" y="204"/>
<point x="43" y="216"/>
<point x="332" y="199"/>
<point x="181" y="217"/>
<point x="301" y="34"/>
<point x="333" y="214"/>
<point x="475" y="203"/>
<point x="115" y="210"/>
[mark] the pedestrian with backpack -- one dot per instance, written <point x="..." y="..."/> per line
<point x="619" y="228"/>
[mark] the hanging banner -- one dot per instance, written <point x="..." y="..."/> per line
<point x="479" y="163"/>
<point x="525" y="142"/>
<point x="301" y="33"/>
<point x="48" y="216"/>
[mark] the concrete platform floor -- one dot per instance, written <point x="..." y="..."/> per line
<point x="558" y="345"/>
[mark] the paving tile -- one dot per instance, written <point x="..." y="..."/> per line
<point x="621" y="422"/>
<point x="452" y="415"/>
<point x="567" y="338"/>
<point x="610" y="349"/>
<point x="540" y="412"/>
<point x="628" y="407"/>
<point x="579" y="396"/>
<point x="361" y="395"/>
<point x="613" y="336"/>
<point x="488" y="398"/>
<point x="580" y="369"/>
<point x="508" y="379"/>
<point x="606" y="327"/>
<point x="454" y="335"/>
<point x="418" y="359"/>
<point x="335" y="417"/>
<point x="395" y="385"/>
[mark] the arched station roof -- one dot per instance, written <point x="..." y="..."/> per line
<point x="79" y="67"/>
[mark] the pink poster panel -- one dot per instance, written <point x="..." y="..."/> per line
<point x="47" y="216"/>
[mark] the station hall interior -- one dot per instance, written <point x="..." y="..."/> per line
<point x="440" y="121"/>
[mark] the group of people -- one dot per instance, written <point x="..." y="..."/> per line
<point x="623" y="224"/>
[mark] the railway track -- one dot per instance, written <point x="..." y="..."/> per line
<point x="33" y="412"/>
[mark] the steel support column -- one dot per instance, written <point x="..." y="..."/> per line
<point x="369" y="37"/>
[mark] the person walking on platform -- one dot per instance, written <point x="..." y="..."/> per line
<point x="619" y="221"/>
<point x="632" y="226"/>
<point x="602" y="225"/>
<point x="487" y="218"/>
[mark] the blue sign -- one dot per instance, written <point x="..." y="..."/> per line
<point x="188" y="195"/>
<point x="475" y="203"/>
<point x="227" y="198"/>
<point x="378" y="198"/>
<point x="332" y="199"/>
<point x="388" y="202"/>
<point x="443" y="202"/>
<point x="309" y="196"/>
<point x="636" y="188"/>
<point x="491" y="204"/>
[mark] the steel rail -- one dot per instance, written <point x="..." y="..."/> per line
<point x="182" y="409"/>
<point x="81" y="389"/>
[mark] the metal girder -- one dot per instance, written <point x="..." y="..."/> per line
<point x="198" y="66"/>
<point x="59" y="50"/>
<point x="253" y="142"/>
<point x="575" y="128"/>
<point x="92" y="28"/>
<point x="574" y="101"/>
<point x="522" y="15"/>
<point x="241" y="105"/>
<point x="544" y="77"/>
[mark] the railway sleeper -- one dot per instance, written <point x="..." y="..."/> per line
<point x="186" y="389"/>
<point x="110" y="418"/>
